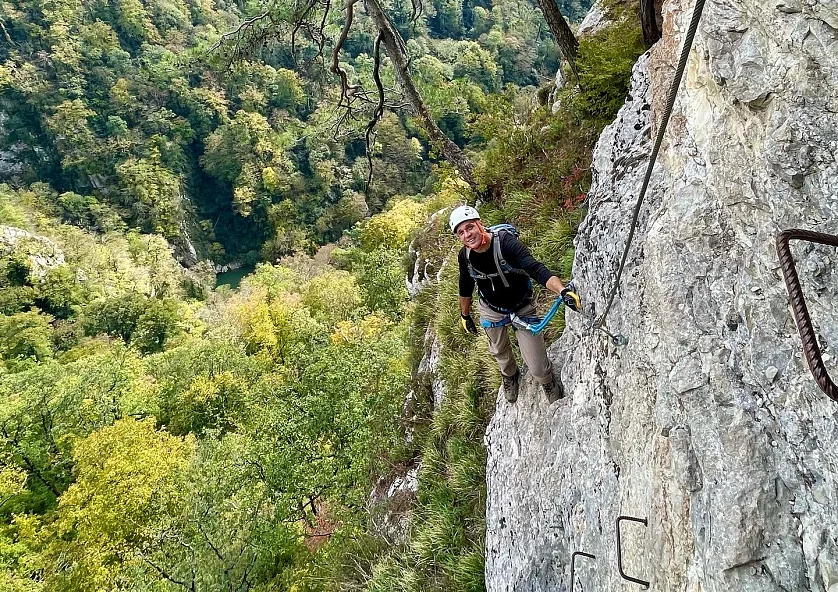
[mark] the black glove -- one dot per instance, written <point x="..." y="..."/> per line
<point x="571" y="299"/>
<point x="468" y="324"/>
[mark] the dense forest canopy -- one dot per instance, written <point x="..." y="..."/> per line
<point x="159" y="433"/>
<point x="125" y="112"/>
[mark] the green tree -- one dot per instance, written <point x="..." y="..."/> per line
<point x="333" y="296"/>
<point x="392" y="229"/>
<point x="25" y="337"/>
<point x="60" y="292"/>
<point x="127" y="495"/>
<point x="75" y="141"/>
<point x="201" y="384"/>
<point x="381" y="276"/>
<point x="117" y="316"/>
<point x="157" y="323"/>
<point x="153" y="193"/>
<point x="138" y="320"/>
<point x="448" y="19"/>
<point x="48" y="406"/>
<point x="249" y="154"/>
<point x="476" y="64"/>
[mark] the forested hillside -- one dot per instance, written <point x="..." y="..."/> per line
<point x="131" y="118"/>
<point x="158" y="433"/>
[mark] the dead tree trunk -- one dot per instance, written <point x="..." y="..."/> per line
<point x="397" y="51"/>
<point x="564" y="37"/>
<point x="648" y="22"/>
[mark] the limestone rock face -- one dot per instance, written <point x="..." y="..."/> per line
<point x="41" y="252"/>
<point x="708" y="424"/>
<point x="10" y="164"/>
<point x="426" y="254"/>
<point x="594" y="20"/>
<point x="390" y="505"/>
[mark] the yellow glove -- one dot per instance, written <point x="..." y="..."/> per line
<point x="571" y="299"/>
<point x="468" y="324"/>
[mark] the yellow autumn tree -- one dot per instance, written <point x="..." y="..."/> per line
<point x="393" y="228"/>
<point x="128" y="493"/>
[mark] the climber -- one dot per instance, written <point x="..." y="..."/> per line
<point x="501" y="267"/>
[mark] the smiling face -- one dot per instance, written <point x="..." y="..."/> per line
<point x="472" y="234"/>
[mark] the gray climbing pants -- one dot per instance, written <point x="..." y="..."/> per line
<point x="532" y="346"/>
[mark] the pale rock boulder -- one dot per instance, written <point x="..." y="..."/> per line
<point x="595" y="20"/>
<point x="390" y="504"/>
<point x="708" y="424"/>
<point x="41" y="252"/>
<point x="10" y="162"/>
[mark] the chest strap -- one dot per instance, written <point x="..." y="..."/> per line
<point x="500" y="264"/>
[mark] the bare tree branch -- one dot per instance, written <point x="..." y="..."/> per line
<point x="379" y="108"/>
<point x="397" y="52"/>
<point x="345" y="88"/>
<point x="244" y="25"/>
<point x="353" y="95"/>
<point x="298" y="22"/>
<point x="165" y="575"/>
<point x="251" y="33"/>
<point x="327" y="5"/>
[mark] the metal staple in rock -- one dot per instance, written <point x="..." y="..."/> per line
<point x="811" y="348"/>
<point x="623" y="574"/>
<point x="573" y="567"/>
<point x="670" y="104"/>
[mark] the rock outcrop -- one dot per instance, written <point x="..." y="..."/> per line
<point x="708" y="424"/>
<point x="390" y="505"/>
<point x="10" y="163"/>
<point x="594" y="21"/>
<point x="40" y="251"/>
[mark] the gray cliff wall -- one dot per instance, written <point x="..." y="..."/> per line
<point x="708" y="423"/>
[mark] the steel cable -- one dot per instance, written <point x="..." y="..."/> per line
<point x="811" y="348"/>
<point x="670" y="104"/>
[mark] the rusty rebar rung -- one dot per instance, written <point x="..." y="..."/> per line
<point x="573" y="567"/>
<point x="811" y="348"/>
<point x="623" y="574"/>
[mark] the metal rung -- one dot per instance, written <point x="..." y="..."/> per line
<point x="811" y="348"/>
<point x="642" y="521"/>
<point x="573" y="567"/>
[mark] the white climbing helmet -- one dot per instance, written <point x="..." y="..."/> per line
<point x="460" y="215"/>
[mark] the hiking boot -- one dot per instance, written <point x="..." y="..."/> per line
<point x="510" y="386"/>
<point x="553" y="390"/>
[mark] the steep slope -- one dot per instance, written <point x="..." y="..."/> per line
<point x="708" y="423"/>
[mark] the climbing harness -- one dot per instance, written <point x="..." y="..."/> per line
<point x="673" y="92"/>
<point x="811" y="348"/>
<point x="534" y="325"/>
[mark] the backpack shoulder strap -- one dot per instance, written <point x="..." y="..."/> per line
<point x="500" y="262"/>
<point x="471" y="270"/>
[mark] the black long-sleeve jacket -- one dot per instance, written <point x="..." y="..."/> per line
<point x="492" y="291"/>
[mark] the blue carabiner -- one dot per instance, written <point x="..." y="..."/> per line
<point x="537" y="328"/>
